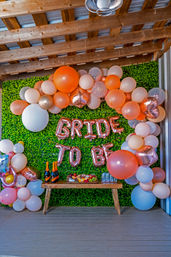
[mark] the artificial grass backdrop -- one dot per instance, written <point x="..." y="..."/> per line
<point x="40" y="147"/>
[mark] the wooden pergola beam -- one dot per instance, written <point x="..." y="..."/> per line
<point x="24" y="7"/>
<point x="84" y="44"/>
<point x="79" y="59"/>
<point x="94" y="24"/>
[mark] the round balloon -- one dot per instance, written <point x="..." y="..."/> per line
<point x="131" y="181"/>
<point x="142" y="200"/>
<point x="18" y="106"/>
<point x="48" y="87"/>
<point x="151" y="140"/>
<point x="115" y="98"/>
<point x="94" y="102"/>
<point x="159" y="175"/>
<point x="122" y="164"/>
<point x="37" y="86"/>
<point x="8" y="196"/>
<point x="32" y="95"/>
<point x="152" y="126"/>
<point x="34" y="203"/>
<point x="18" y="148"/>
<point x="147" y="186"/>
<point x="115" y="70"/>
<point x="34" y="118"/>
<point x="131" y="110"/>
<point x="125" y="146"/>
<point x="158" y="93"/>
<point x="6" y="146"/>
<point x="9" y="179"/>
<point x="99" y="89"/>
<point x="112" y="82"/>
<point x="35" y="187"/>
<point x="19" y="162"/>
<point x="54" y="109"/>
<point x="161" y="116"/>
<point x="86" y="81"/>
<point x="66" y="79"/>
<point x="139" y="94"/>
<point x="19" y="205"/>
<point x="128" y="84"/>
<point x="22" y="92"/>
<point x="21" y="181"/>
<point x="161" y="190"/>
<point x="144" y="174"/>
<point x="61" y="100"/>
<point x="46" y="101"/>
<point x="95" y="72"/>
<point x="23" y="194"/>
<point x="135" y="142"/>
<point x="142" y="129"/>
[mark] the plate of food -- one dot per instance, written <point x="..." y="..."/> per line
<point x="82" y="178"/>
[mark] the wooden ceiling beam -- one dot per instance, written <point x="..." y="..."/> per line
<point x="83" y="58"/>
<point x="84" y="44"/>
<point x="95" y="24"/>
<point x="24" y="7"/>
<point x="13" y="69"/>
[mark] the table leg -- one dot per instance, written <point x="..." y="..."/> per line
<point x="116" y="200"/>
<point x="47" y="198"/>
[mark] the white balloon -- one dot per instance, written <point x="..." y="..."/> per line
<point x="18" y="148"/>
<point x="35" y="118"/>
<point x="21" y="181"/>
<point x="22" y="92"/>
<point x="94" y="102"/>
<point x="19" y="205"/>
<point x="6" y="146"/>
<point x="115" y="70"/>
<point x="161" y="190"/>
<point x="34" y="203"/>
<point x="19" y="162"/>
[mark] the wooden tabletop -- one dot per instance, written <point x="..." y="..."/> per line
<point x="64" y="184"/>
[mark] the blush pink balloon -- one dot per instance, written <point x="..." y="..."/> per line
<point x="147" y="186"/>
<point x="128" y="84"/>
<point x="32" y="95"/>
<point x="23" y="194"/>
<point x="48" y="87"/>
<point x="95" y="72"/>
<point x="115" y="70"/>
<point x="86" y="81"/>
<point x="161" y="190"/>
<point x="139" y="94"/>
<point x="142" y="129"/>
<point x="8" y="196"/>
<point x="151" y="140"/>
<point x="99" y="89"/>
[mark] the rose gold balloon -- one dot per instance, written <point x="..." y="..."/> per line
<point x="97" y="156"/>
<point x="48" y="87"/>
<point x="146" y="155"/>
<point x="45" y="101"/>
<point x="89" y="124"/>
<point x="61" y="100"/>
<point x="75" y="151"/>
<point x="30" y="173"/>
<point x="76" y="126"/>
<point x="38" y="87"/>
<point x="139" y="94"/>
<point x="150" y="107"/>
<point x="131" y="110"/>
<point x="161" y="116"/>
<point x="114" y="125"/>
<point x="18" y="106"/>
<point x="54" y="109"/>
<point x="106" y="150"/>
<point x="62" y="149"/>
<point x="99" y="128"/>
<point x="147" y="186"/>
<point x="79" y="97"/>
<point x="115" y="98"/>
<point x="61" y="131"/>
<point x="159" y="175"/>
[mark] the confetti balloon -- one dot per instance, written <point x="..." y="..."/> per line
<point x="21" y="181"/>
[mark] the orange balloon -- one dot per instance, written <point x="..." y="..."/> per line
<point x="38" y="87"/>
<point x="51" y="77"/>
<point x="115" y="98"/>
<point x="131" y="110"/>
<point x="66" y="79"/>
<point x="128" y="96"/>
<point x="18" y="106"/>
<point x="119" y="110"/>
<point x="112" y="82"/>
<point x="141" y="116"/>
<point x="61" y="100"/>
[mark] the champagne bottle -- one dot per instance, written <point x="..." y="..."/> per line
<point x="55" y="174"/>
<point x="47" y="173"/>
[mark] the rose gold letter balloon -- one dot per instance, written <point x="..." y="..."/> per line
<point x="74" y="151"/>
<point x="89" y="124"/>
<point x="106" y="150"/>
<point x="114" y="125"/>
<point x="146" y="155"/>
<point x="63" y="132"/>
<point x="75" y="128"/>
<point x="122" y="164"/>
<point x="62" y="149"/>
<point x="99" y="128"/>
<point x="97" y="156"/>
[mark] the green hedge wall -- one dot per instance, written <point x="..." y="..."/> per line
<point x="40" y="147"/>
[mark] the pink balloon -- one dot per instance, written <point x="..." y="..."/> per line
<point x="115" y="70"/>
<point x="99" y="89"/>
<point x="76" y="126"/>
<point x="95" y="72"/>
<point x="48" y="87"/>
<point x="99" y="123"/>
<point x="97" y="156"/>
<point x="74" y="151"/>
<point x="142" y="129"/>
<point x="54" y="109"/>
<point x="86" y="81"/>
<point x="128" y="84"/>
<point x="62" y="149"/>
<point x="61" y="131"/>
<point x="147" y="186"/>
<point x="151" y="140"/>
<point x="8" y="196"/>
<point x="139" y="94"/>
<point x="161" y="190"/>
<point x="159" y="175"/>
<point x="23" y="194"/>
<point x="89" y="124"/>
<point x="94" y="102"/>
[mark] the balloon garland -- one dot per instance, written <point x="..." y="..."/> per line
<point x="142" y="109"/>
<point x="14" y="175"/>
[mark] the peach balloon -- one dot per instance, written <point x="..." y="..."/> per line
<point x="135" y="142"/>
<point x="115" y="70"/>
<point x="128" y="84"/>
<point x="161" y="117"/>
<point x="161" y="190"/>
<point x="48" y="87"/>
<point x="66" y="79"/>
<point x="86" y="81"/>
<point x="112" y="82"/>
<point x="18" y="106"/>
<point x="32" y="95"/>
<point x="115" y="98"/>
<point x="159" y="174"/>
<point x="139" y="94"/>
<point x="61" y="100"/>
<point x="142" y="129"/>
<point x="38" y="87"/>
<point x="147" y="186"/>
<point x="51" y="77"/>
<point x="131" y="110"/>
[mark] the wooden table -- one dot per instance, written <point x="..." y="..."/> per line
<point x="64" y="185"/>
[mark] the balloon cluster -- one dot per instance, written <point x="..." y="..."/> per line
<point x="14" y="179"/>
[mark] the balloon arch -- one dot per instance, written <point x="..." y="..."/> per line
<point x="142" y="109"/>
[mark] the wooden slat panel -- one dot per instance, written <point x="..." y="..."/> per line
<point x="92" y="34"/>
<point x="82" y="45"/>
<point x="95" y="24"/>
<point x="84" y="58"/>
<point x="23" y="7"/>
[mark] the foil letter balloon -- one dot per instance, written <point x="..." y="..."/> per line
<point x="89" y="124"/>
<point x="75" y="128"/>
<point x="114" y="125"/>
<point x="61" y="131"/>
<point x="62" y="149"/>
<point x="75" y="151"/>
<point x="30" y="173"/>
<point x="149" y="107"/>
<point x="14" y="180"/>
<point x="97" y="156"/>
<point x="106" y="150"/>
<point x="99" y="123"/>
<point x="146" y="155"/>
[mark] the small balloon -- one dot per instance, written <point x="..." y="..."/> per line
<point x="6" y="146"/>
<point x="144" y="174"/>
<point x="86" y="81"/>
<point x="32" y="95"/>
<point x="8" y="196"/>
<point x="99" y="89"/>
<point x="19" y="162"/>
<point x="19" y="205"/>
<point x="48" y="87"/>
<point x="151" y="140"/>
<point x="139" y="94"/>
<point x="22" y="93"/>
<point x="46" y="102"/>
<point x="157" y="93"/>
<point x="159" y="175"/>
<point x="135" y="142"/>
<point x="112" y="82"/>
<point x="17" y="107"/>
<point x="132" y="181"/>
<point x="54" y="109"/>
<point x="82" y="72"/>
<point x="115" y="98"/>
<point x="161" y="190"/>
<point x="34" y="203"/>
<point x="130" y="110"/>
<point x="35" y="187"/>
<point x="147" y="186"/>
<point x="128" y="84"/>
<point x="18" y="148"/>
<point x="125" y="146"/>
<point x="38" y="87"/>
<point x="95" y="72"/>
<point x="133" y="123"/>
<point x="152" y="126"/>
<point x="21" y="181"/>
<point x="94" y="102"/>
<point x="61" y="100"/>
<point x="157" y="131"/>
<point x="142" y="129"/>
<point x="75" y="151"/>
<point x="9" y="179"/>
<point x="23" y="194"/>
<point x="115" y="70"/>
<point x="146" y="155"/>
